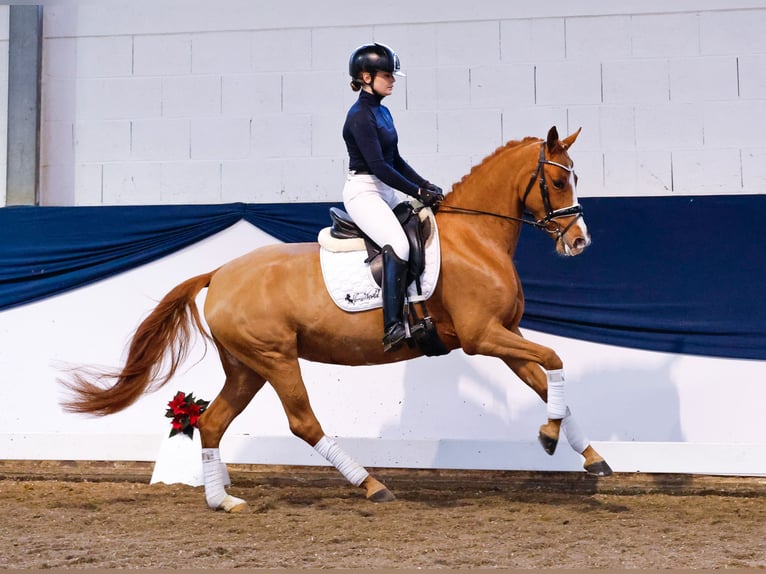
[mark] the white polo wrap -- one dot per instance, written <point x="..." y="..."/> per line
<point x="348" y="467"/>
<point x="575" y="435"/>
<point x="211" y="471"/>
<point x="557" y="405"/>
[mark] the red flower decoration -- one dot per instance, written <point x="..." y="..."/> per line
<point x="185" y="410"/>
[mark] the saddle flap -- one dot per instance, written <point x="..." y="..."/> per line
<point x="343" y="227"/>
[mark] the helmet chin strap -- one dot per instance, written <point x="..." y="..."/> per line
<point x="371" y="84"/>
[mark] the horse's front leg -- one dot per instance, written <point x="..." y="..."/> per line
<point x="537" y="379"/>
<point x="496" y="340"/>
<point x="533" y="375"/>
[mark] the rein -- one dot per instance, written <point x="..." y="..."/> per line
<point x="550" y="214"/>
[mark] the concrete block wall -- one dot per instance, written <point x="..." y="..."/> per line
<point x="4" y="20"/>
<point x="195" y="101"/>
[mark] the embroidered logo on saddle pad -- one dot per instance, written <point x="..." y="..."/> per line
<point x="349" y="277"/>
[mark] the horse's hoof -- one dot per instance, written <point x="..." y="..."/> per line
<point x="600" y="468"/>
<point x="232" y="504"/>
<point x="382" y="495"/>
<point x="549" y="444"/>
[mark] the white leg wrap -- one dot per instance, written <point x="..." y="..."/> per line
<point x="211" y="470"/>
<point x="214" y="473"/>
<point x="575" y="436"/>
<point x="557" y="405"/>
<point x="348" y="467"/>
<point x="225" y="475"/>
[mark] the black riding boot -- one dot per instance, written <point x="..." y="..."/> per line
<point x="394" y="286"/>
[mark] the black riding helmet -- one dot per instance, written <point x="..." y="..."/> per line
<point x="373" y="58"/>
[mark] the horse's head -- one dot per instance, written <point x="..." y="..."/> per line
<point x="551" y="197"/>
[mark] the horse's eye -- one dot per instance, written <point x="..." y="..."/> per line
<point x="559" y="183"/>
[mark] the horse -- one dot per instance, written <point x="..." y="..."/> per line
<point x="269" y="307"/>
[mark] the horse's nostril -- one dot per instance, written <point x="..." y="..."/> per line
<point x="579" y="244"/>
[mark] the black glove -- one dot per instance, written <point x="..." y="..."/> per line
<point x="430" y="195"/>
<point x="434" y="188"/>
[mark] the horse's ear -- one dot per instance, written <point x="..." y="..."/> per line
<point x="569" y="140"/>
<point x="553" y="138"/>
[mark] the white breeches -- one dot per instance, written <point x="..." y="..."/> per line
<point x="370" y="204"/>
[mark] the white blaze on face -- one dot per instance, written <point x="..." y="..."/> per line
<point x="580" y="221"/>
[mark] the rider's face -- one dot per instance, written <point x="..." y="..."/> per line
<point x="383" y="84"/>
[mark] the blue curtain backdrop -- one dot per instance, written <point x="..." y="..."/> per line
<point x="677" y="274"/>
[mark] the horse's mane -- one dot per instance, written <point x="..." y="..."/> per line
<point x="507" y="146"/>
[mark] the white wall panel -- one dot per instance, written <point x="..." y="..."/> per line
<point x="160" y="139"/>
<point x="191" y="96"/>
<point x="502" y="86"/>
<point x="105" y="56"/>
<point x="118" y="98"/>
<point x="166" y="55"/>
<point x="533" y="40"/>
<point x="468" y="43"/>
<point x="668" y="126"/>
<point x="251" y="94"/>
<point x="483" y="136"/>
<point x="190" y="182"/>
<point x="220" y="138"/>
<point x="635" y="75"/>
<point x="132" y="184"/>
<point x="636" y="81"/>
<point x="439" y="88"/>
<point x="522" y="121"/>
<point x="221" y="53"/>
<point x="733" y="31"/>
<point x="568" y="83"/>
<point x="703" y="79"/>
<point x="281" y="50"/>
<point x="633" y="173"/>
<point x="752" y="76"/>
<point x="707" y="171"/>
<point x="253" y="180"/>
<point x="281" y="135"/>
<point x="665" y="35"/>
<point x="102" y="141"/>
<point x="754" y="169"/>
<point x="734" y="124"/>
<point x="598" y="38"/>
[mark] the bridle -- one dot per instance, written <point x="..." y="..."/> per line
<point x="547" y="223"/>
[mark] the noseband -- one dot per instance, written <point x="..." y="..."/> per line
<point x="546" y="223"/>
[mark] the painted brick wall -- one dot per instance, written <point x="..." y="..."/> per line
<point x="194" y="101"/>
<point x="4" y="17"/>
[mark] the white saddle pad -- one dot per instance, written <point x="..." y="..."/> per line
<point x="349" y="280"/>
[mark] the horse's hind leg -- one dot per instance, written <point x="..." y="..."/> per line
<point x="536" y="378"/>
<point x="289" y="386"/>
<point x="242" y="383"/>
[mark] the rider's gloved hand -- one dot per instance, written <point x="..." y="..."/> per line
<point x="430" y="196"/>
<point x="434" y="188"/>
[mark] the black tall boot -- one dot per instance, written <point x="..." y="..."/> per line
<point x="394" y="286"/>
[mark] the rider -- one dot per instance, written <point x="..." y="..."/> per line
<point x="377" y="172"/>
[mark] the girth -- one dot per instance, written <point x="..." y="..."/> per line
<point x="416" y="230"/>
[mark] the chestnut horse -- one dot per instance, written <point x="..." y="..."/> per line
<point x="269" y="307"/>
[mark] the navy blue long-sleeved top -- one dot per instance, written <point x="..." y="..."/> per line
<point x="372" y="144"/>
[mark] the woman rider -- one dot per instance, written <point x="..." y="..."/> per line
<point x="376" y="173"/>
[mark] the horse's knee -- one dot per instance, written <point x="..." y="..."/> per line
<point x="550" y="361"/>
